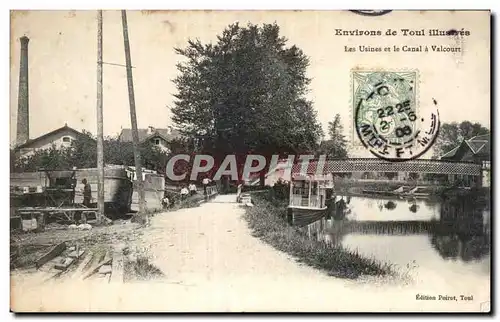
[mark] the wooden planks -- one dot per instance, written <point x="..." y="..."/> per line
<point x="107" y="260"/>
<point x="64" y="263"/>
<point x="53" y="253"/>
<point x="79" y="270"/>
<point x="76" y="254"/>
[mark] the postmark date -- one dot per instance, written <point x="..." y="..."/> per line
<point x="402" y="107"/>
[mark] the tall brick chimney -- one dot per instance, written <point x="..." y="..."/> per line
<point x="23" y="113"/>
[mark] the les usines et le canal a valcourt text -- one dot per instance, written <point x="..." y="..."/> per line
<point x="404" y="32"/>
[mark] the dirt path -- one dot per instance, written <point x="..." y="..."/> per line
<point x="212" y="263"/>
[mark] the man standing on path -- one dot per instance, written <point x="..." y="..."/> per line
<point x="87" y="193"/>
<point x="205" y="182"/>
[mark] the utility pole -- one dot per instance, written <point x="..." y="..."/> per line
<point x="133" y="119"/>
<point x="100" y="148"/>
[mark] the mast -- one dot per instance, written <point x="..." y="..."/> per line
<point x="133" y="118"/>
<point x="100" y="148"/>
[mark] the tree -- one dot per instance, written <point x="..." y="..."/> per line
<point x="48" y="159"/>
<point x="83" y="151"/>
<point x="245" y="93"/>
<point x="336" y="146"/>
<point x="450" y="135"/>
<point x="153" y="157"/>
<point x="117" y="152"/>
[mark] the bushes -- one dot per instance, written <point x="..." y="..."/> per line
<point x="277" y="195"/>
<point x="268" y="223"/>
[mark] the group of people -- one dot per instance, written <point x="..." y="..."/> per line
<point x="187" y="190"/>
<point x="191" y="190"/>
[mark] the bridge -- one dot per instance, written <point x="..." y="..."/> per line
<point x="378" y="165"/>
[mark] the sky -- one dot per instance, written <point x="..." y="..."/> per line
<point x="63" y="62"/>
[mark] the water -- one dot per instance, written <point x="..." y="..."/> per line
<point x="447" y="241"/>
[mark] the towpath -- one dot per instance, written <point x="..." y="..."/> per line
<point x="212" y="262"/>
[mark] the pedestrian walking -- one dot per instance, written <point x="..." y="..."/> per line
<point x="205" y="182"/>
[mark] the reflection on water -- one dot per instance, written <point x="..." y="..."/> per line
<point x="447" y="237"/>
<point x="390" y="205"/>
<point x="373" y="209"/>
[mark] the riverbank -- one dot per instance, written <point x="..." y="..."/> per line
<point x="267" y="222"/>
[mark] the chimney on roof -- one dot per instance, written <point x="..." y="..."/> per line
<point x="23" y="96"/>
<point x="150" y="130"/>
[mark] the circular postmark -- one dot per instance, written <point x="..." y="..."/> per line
<point x="386" y="117"/>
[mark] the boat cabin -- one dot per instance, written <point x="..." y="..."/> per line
<point x="308" y="198"/>
<point x="310" y="191"/>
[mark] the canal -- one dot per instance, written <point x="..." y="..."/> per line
<point x="446" y="241"/>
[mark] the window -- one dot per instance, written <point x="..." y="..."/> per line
<point x="314" y="188"/>
<point x="157" y="141"/>
<point x="301" y="188"/>
<point x="66" y="139"/>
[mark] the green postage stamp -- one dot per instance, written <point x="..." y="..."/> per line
<point x="386" y="115"/>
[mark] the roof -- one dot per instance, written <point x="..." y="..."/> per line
<point x="56" y="131"/>
<point x="166" y="134"/>
<point x="479" y="144"/>
<point x="451" y="153"/>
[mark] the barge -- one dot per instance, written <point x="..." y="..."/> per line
<point x="308" y="198"/>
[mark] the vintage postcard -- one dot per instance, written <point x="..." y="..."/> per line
<point x="250" y="161"/>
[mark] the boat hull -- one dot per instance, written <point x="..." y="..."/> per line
<point x="303" y="216"/>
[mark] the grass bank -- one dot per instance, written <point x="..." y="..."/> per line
<point x="267" y="221"/>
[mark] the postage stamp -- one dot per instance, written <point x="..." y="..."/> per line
<point x="387" y="119"/>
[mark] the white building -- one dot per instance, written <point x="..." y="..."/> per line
<point x="59" y="138"/>
<point x="158" y="137"/>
